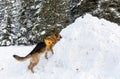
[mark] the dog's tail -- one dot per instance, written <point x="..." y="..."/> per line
<point x="21" y="58"/>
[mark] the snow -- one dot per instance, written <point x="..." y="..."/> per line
<point x="89" y="49"/>
<point x="43" y="32"/>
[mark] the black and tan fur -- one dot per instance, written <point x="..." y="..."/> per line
<point x="42" y="47"/>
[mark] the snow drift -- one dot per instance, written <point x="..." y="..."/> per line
<point x="89" y="49"/>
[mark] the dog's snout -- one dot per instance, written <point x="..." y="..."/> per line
<point x="60" y="36"/>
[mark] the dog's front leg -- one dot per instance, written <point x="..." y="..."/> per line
<point x="51" y="50"/>
<point x="46" y="55"/>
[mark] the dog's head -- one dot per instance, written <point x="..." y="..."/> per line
<point x="53" y="39"/>
<point x="58" y="36"/>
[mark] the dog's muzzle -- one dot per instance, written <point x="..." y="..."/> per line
<point x="60" y="36"/>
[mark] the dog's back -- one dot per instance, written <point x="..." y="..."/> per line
<point x="38" y="48"/>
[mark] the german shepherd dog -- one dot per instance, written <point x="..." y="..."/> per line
<point x="42" y="47"/>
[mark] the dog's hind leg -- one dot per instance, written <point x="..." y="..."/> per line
<point x="34" y="64"/>
<point x="29" y="67"/>
<point x="34" y="61"/>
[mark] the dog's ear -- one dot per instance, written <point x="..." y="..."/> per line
<point x="57" y="34"/>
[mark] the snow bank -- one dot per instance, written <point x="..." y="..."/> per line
<point x="89" y="49"/>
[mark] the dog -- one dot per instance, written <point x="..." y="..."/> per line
<point x="40" y="48"/>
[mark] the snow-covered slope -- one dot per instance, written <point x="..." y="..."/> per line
<point x="89" y="49"/>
